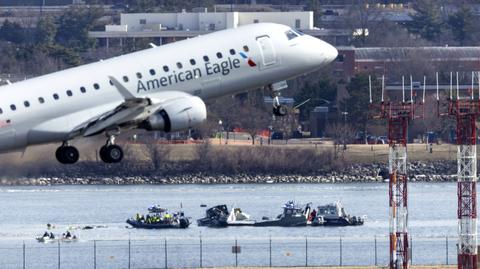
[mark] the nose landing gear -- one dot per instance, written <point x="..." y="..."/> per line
<point x="275" y="88"/>
<point x="67" y="154"/>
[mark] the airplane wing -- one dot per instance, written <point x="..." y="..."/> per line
<point x="130" y="113"/>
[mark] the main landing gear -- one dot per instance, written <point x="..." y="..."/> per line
<point x="111" y="153"/>
<point x="67" y="154"/>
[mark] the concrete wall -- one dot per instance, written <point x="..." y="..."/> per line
<point x="286" y="18"/>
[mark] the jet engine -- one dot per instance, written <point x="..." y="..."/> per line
<point x="181" y="114"/>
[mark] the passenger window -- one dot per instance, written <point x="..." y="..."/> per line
<point x="96" y="86"/>
<point x="1" y="111"/>
<point x="55" y="96"/>
<point x="179" y="65"/>
<point x="13" y="107"/>
<point x="69" y="93"/>
<point x="152" y="72"/>
<point x="192" y="62"/>
<point x="232" y="52"/>
<point x="83" y="90"/>
<point x="26" y="103"/>
<point x="219" y="55"/>
<point x="125" y="78"/>
<point x="111" y="83"/>
<point x="139" y="75"/>
<point x="205" y="58"/>
<point x="41" y="100"/>
<point x="245" y="48"/>
<point x="165" y="68"/>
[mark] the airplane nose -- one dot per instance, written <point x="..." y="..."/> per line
<point x="330" y="52"/>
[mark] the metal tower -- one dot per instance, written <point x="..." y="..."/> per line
<point x="466" y="110"/>
<point x="398" y="114"/>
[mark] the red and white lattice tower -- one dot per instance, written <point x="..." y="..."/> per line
<point x="466" y="110"/>
<point x="398" y="114"/>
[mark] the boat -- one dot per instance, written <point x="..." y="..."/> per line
<point x="49" y="239"/>
<point x="334" y="215"/>
<point x="293" y="215"/>
<point x="216" y="217"/>
<point x="159" y="218"/>
<point x="239" y="218"/>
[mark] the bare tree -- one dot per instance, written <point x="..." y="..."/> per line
<point x="341" y="135"/>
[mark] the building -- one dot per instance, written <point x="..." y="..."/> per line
<point x="168" y="27"/>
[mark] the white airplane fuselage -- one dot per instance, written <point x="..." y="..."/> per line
<point x="48" y="108"/>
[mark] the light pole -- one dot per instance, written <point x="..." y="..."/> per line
<point x="344" y="113"/>
<point x="220" y="130"/>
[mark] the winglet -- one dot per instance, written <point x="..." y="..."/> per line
<point x="121" y="89"/>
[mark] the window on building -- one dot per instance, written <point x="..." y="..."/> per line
<point x="69" y="93"/>
<point x="55" y="96"/>
<point x="41" y="100"/>
<point x="13" y="107"/>
<point x="139" y="75"/>
<point x="340" y="58"/>
<point x="26" y="103"/>
<point x="179" y="65"/>
<point x="152" y="72"/>
<point x="232" y="52"/>
<point x="298" y="23"/>
<point x="143" y="21"/>
<point x="219" y="55"/>
<point x="165" y="68"/>
<point x="83" y="90"/>
<point x="206" y="59"/>
<point x="245" y="48"/>
<point x="192" y="62"/>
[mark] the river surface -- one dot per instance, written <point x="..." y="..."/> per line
<point x="26" y="210"/>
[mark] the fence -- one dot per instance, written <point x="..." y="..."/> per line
<point x="191" y="252"/>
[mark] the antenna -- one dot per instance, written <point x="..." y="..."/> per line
<point x="458" y="91"/>
<point x="451" y="85"/>
<point x="438" y="97"/>
<point x="383" y="85"/>
<point x="424" y="82"/>
<point x="370" y="87"/>
<point x="411" y="89"/>
<point x="403" y="89"/>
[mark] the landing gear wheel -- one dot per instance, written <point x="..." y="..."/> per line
<point x="280" y="110"/>
<point x="67" y="155"/>
<point x="111" y="154"/>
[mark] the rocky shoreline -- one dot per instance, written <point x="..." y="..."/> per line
<point x="432" y="171"/>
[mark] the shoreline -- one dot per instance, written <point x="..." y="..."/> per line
<point x="92" y="173"/>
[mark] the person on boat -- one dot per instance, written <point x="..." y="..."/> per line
<point x="52" y="236"/>
<point x="137" y="217"/>
<point x="313" y="215"/>
<point x="68" y="235"/>
<point x="45" y="234"/>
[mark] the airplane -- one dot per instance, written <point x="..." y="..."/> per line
<point x="161" y="88"/>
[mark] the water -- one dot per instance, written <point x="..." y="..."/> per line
<point x="26" y="211"/>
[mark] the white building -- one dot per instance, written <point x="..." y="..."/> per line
<point x="208" y="21"/>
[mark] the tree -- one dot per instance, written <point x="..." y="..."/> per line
<point x="321" y="92"/>
<point x="427" y="21"/>
<point x="341" y="134"/>
<point x="463" y="26"/>
<point x="357" y="103"/>
<point x="46" y="31"/>
<point x="252" y="119"/>
<point x="74" y="26"/>
<point x="12" y="31"/>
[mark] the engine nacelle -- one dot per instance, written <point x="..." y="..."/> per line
<point x="182" y="114"/>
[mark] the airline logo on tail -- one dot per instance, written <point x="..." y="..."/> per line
<point x="249" y="60"/>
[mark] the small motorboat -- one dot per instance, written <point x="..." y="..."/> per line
<point x="160" y="218"/>
<point x="239" y="218"/>
<point x="215" y="217"/>
<point x="334" y="215"/>
<point x="293" y="215"/>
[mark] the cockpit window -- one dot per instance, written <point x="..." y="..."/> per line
<point x="291" y="34"/>
<point x="298" y="32"/>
